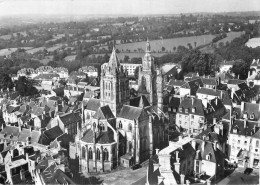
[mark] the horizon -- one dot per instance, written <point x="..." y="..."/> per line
<point x="123" y="7"/>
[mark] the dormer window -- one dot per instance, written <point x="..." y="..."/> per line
<point x="102" y="126"/>
<point x="169" y="109"/>
<point x="208" y="157"/>
<point x="186" y="111"/>
<point x="120" y="124"/>
<point x="252" y="116"/>
<point x="245" y="115"/>
<point x="180" y="109"/>
<point x="235" y="130"/>
<point x="173" y="110"/>
<point x="193" y="110"/>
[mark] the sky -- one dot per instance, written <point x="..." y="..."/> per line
<point x="114" y="7"/>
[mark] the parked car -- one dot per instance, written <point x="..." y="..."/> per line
<point x="137" y="166"/>
<point x="248" y="171"/>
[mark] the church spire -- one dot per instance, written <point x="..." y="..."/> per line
<point x="148" y="46"/>
<point x="113" y="63"/>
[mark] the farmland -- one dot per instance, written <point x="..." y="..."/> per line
<point x="169" y="44"/>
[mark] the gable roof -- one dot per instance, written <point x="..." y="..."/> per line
<point x="188" y="104"/>
<point x="53" y="133"/>
<point x="93" y="104"/>
<point x="70" y="118"/>
<point x="140" y="101"/>
<point x="130" y="112"/>
<point x="104" y="113"/>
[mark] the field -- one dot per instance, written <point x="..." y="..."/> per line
<point x="121" y="56"/>
<point x="8" y="51"/>
<point x="168" y="44"/>
<point x="230" y="36"/>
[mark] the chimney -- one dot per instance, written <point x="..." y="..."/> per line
<point x="177" y="155"/>
<point x="203" y="146"/>
<point x="254" y="129"/>
<point x="22" y="176"/>
<point x="193" y="144"/>
<point x="177" y="166"/>
<point x="216" y="101"/>
<point x="66" y="130"/>
<point x="182" y="178"/>
<point x="27" y="157"/>
<point x="245" y="122"/>
<point x="214" y="121"/>
<point x="192" y="101"/>
<point x="157" y="151"/>
<point x="180" y="138"/>
<point x="232" y="93"/>
<point x="215" y="145"/>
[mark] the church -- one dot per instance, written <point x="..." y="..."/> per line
<point x="119" y="130"/>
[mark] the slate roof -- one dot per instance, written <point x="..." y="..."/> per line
<point x="130" y="112"/>
<point x="176" y="83"/>
<point x="104" y="113"/>
<point x="101" y="137"/>
<point x="186" y="103"/>
<point x="251" y="108"/>
<point x="140" y="101"/>
<point x="8" y="131"/>
<point x="11" y="109"/>
<point x="70" y="118"/>
<point x="53" y="133"/>
<point x="235" y="81"/>
<point x="93" y="104"/>
<point x="174" y="102"/>
<point x="242" y="129"/>
<point x="193" y="85"/>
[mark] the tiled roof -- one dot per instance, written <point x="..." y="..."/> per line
<point x="251" y="108"/>
<point x="93" y="104"/>
<point x="212" y="92"/>
<point x="130" y="112"/>
<point x="209" y="81"/>
<point x="101" y="137"/>
<point x="235" y="81"/>
<point x="26" y="133"/>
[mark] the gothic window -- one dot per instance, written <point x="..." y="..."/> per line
<point x="120" y="124"/>
<point x="90" y="153"/>
<point x="130" y="127"/>
<point x="105" y="154"/>
<point x="144" y="82"/>
<point x="98" y="154"/>
<point x="83" y="153"/>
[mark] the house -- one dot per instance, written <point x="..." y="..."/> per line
<point x="91" y="71"/>
<point x="190" y="88"/>
<point x="243" y="143"/>
<point x="226" y="66"/>
<point x="130" y="68"/>
<point x="50" y="135"/>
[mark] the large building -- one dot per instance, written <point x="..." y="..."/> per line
<point x="114" y="84"/>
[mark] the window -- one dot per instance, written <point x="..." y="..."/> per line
<point x="186" y="117"/>
<point x="234" y="130"/>
<point x="120" y="124"/>
<point x="257" y="144"/>
<point x="98" y="154"/>
<point x="193" y="110"/>
<point x="245" y="142"/>
<point x="192" y="116"/>
<point x="83" y="153"/>
<point x="238" y="141"/>
<point x="252" y="116"/>
<point x="191" y="122"/>
<point x="102" y="126"/>
<point x="180" y="116"/>
<point x="180" y="109"/>
<point x="180" y="122"/>
<point x="201" y="118"/>
<point x="130" y="127"/>
<point x="186" y="110"/>
<point x="105" y="154"/>
<point x="169" y="109"/>
<point x="173" y="109"/>
<point x="256" y="150"/>
<point x="90" y="153"/>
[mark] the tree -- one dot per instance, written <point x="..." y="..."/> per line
<point x="126" y="59"/>
<point x="174" y="48"/>
<point x="163" y="49"/>
<point x="240" y="68"/>
<point x="25" y="87"/>
<point x="6" y="81"/>
<point x="195" y="44"/>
